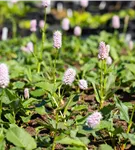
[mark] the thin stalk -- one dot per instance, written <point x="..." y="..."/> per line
<point x="1" y="104"/>
<point x="57" y="121"/>
<point x="129" y="126"/>
<point x="55" y="61"/>
<point x="14" y="28"/>
<point x="43" y="33"/>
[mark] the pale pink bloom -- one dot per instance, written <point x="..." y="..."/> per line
<point x="57" y="39"/>
<point x="41" y="24"/>
<point x="4" y="75"/>
<point x="83" y="84"/>
<point x="33" y="25"/>
<point x="69" y="76"/>
<point x="14" y="1"/>
<point x="65" y="24"/>
<point x="26" y="93"/>
<point x="28" y="48"/>
<point x="116" y="22"/>
<point x="77" y="31"/>
<point x="131" y="45"/>
<point x="109" y="60"/>
<point x="94" y="119"/>
<point x="103" y="51"/>
<point x="84" y="3"/>
<point x="46" y="3"/>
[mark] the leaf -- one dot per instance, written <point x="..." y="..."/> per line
<point x="105" y="125"/>
<point x="129" y="136"/>
<point x="2" y="145"/>
<point x="80" y="107"/>
<point x="16" y="148"/>
<point x="123" y="110"/>
<point x="10" y="118"/>
<point x="38" y="92"/>
<point x="29" y="102"/>
<point x="18" y="85"/>
<point x="19" y="137"/>
<point x="96" y="93"/>
<point x="46" y="86"/>
<point x="71" y="141"/>
<point x="40" y="110"/>
<point x="130" y="67"/>
<point x="105" y="147"/>
<point x="110" y="81"/>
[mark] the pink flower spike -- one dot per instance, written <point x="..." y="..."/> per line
<point x="30" y="47"/>
<point x="109" y="60"/>
<point x="14" y="1"/>
<point x="77" y="31"/>
<point x="26" y="93"/>
<point x="33" y="25"/>
<point x="131" y="45"/>
<point x="69" y="76"/>
<point x="84" y="3"/>
<point x="4" y="76"/>
<point x="65" y="24"/>
<point x="41" y="24"/>
<point x="103" y="51"/>
<point x="83" y="84"/>
<point x="46" y="3"/>
<point x="57" y="39"/>
<point x="94" y="119"/>
<point x="116" y="22"/>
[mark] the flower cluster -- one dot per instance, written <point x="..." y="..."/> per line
<point x="65" y="24"/>
<point x="33" y="25"/>
<point x="94" y="119"/>
<point x="69" y="76"/>
<point x="116" y="22"/>
<point x="104" y="52"/>
<point x="57" y="39"/>
<point x="84" y="3"/>
<point x="28" y="48"/>
<point x="26" y="93"/>
<point x="131" y="45"/>
<point x="83" y="84"/>
<point x="46" y="3"/>
<point x="41" y="24"/>
<point x="4" y="75"/>
<point x="77" y="31"/>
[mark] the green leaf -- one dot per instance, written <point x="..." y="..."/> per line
<point x="96" y="93"/>
<point x="10" y="118"/>
<point x="130" y="67"/>
<point x="40" y="110"/>
<point x="105" y="147"/>
<point x="71" y="141"/>
<point x="46" y="86"/>
<point x="18" y="85"/>
<point x="16" y="148"/>
<point x="19" y="137"/>
<point x="123" y="110"/>
<point x="80" y="107"/>
<point x="38" y="92"/>
<point x="110" y="81"/>
<point x="2" y="145"/>
<point x="129" y="136"/>
<point x="29" y="102"/>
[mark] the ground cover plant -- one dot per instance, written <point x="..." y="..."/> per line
<point x="60" y="91"/>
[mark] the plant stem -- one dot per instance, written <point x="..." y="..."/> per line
<point x="102" y="83"/>
<point x="43" y="33"/>
<point x="129" y="126"/>
<point x="57" y="120"/>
